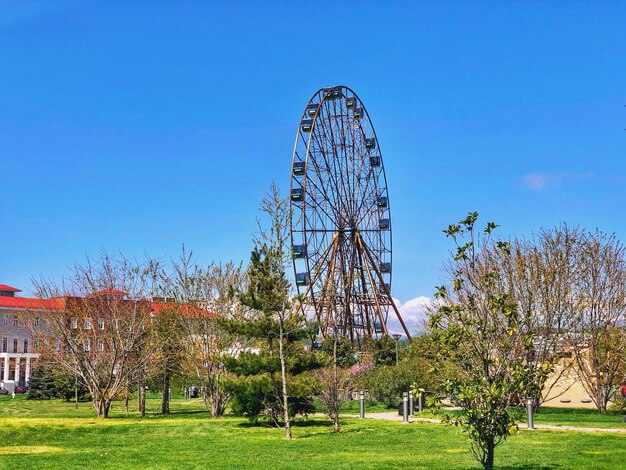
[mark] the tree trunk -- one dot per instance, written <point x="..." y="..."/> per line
<point x="489" y="457"/>
<point x="283" y="371"/>
<point x="335" y="386"/>
<point x="106" y="408"/>
<point x="126" y="401"/>
<point x="102" y="407"/>
<point x="165" y="403"/>
<point x="217" y="404"/>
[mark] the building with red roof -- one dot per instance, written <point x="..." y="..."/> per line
<point x="18" y="348"/>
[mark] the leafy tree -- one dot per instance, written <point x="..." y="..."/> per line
<point x="383" y="350"/>
<point x="67" y="385"/>
<point x="479" y="328"/>
<point x="340" y="348"/>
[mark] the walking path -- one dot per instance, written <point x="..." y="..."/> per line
<point x="394" y="416"/>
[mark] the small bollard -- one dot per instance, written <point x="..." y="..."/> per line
<point x="530" y="410"/>
<point x="411" y="404"/>
<point x="362" y="405"/>
<point x="420" y="402"/>
<point x="405" y="407"/>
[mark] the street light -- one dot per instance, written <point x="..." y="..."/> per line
<point x="397" y="337"/>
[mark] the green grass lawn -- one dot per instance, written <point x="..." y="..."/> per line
<point x="569" y="417"/>
<point x="52" y="434"/>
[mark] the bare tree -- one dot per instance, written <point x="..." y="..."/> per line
<point x="598" y="339"/>
<point x="98" y="326"/>
<point x="168" y="346"/>
<point x="205" y="297"/>
<point x="334" y="386"/>
<point x="540" y="275"/>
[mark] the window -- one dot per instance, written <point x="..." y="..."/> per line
<point x="36" y="322"/>
<point x="100" y="345"/>
<point x="87" y="324"/>
<point x="57" y="345"/>
<point x="15" y="345"/>
<point x="26" y="345"/>
<point x="5" y="320"/>
<point x="16" y="321"/>
<point x="73" y="323"/>
<point x="36" y="344"/>
<point x="5" y="344"/>
<point x="86" y="345"/>
<point x="101" y="323"/>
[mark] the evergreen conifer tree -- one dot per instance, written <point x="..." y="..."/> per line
<point x="41" y="383"/>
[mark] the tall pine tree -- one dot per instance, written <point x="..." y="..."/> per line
<point x="271" y="378"/>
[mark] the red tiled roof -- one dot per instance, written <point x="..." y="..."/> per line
<point x="5" y="288"/>
<point x="57" y="303"/>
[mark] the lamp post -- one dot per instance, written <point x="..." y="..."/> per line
<point x="362" y="404"/>
<point x="397" y="337"/>
<point x="405" y="407"/>
<point x="530" y="411"/>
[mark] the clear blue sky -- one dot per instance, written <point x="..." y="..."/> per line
<point x="140" y="126"/>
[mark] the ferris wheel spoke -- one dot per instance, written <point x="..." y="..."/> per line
<point x="332" y="174"/>
<point x="343" y="194"/>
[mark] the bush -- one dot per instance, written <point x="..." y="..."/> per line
<point x="255" y="396"/>
<point x="387" y="383"/>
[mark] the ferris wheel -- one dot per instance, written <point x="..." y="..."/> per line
<point x="341" y="218"/>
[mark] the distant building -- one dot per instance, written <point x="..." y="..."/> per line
<point x="88" y="316"/>
<point x="17" y="348"/>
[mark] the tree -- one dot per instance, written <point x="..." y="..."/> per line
<point x="540" y="275"/>
<point x="66" y="385"/>
<point x="41" y="383"/>
<point x="598" y="339"/>
<point x="383" y="350"/>
<point x="333" y="387"/>
<point x="479" y="327"/>
<point x="168" y="349"/>
<point x="98" y="327"/>
<point x="273" y="318"/>
<point x="341" y="350"/>
<point x="207" y="297"/>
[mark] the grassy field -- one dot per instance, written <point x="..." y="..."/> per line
<point x="570" y="417"/>
<point x="54" y="435"/>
